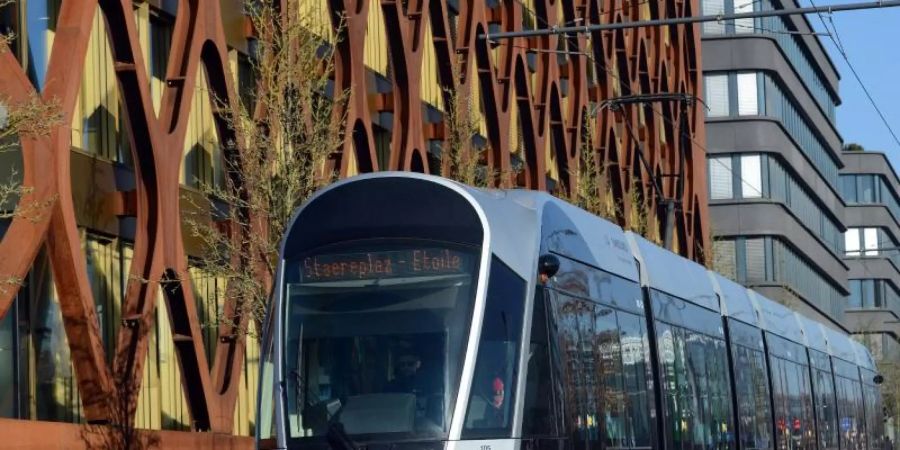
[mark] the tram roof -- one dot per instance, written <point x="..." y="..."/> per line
<point x="777" y="318"/>
<point x="670" y="273"/>
<point x="814" y="332"/>
<point x="516" y="219"/>
<point x="863" y="357"/>
<point x="734" y="300"/>
<point x="577" y="234"/>
<point x="840" y="345"/>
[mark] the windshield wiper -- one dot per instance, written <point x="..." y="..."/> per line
<point x="338" y="439"/>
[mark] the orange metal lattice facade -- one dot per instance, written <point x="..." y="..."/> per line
<point x="547" y="101"/>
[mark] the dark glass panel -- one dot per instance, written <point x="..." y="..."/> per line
<point x="490" y="411"/>
<point x="540" y="408"/>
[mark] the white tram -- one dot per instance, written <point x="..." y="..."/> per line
<point x="413" y="312"/>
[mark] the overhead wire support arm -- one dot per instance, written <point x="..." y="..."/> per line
<point x="589" y="28"/>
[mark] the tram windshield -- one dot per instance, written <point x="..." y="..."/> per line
<point x="375" y="338"/>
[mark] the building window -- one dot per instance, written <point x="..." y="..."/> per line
<point x="724" y="258"/>
<point x="717" y="95"/>
<point x="866" y="241"/>
<point x="754" y="176"/>
<point x="736" y="94"/>
<point x="870" y="189"/>
<point x="852" y="242"/>
<point x="768" y="259"/>
<point x="713" y="8"/>
<point x="748" y="94"/>
<point x="783" y="32"/>
<point x="751" y="177"/>
<point x="756" y="259"/>
<point x="720" y="178"/>
<point x="744" y="25"/>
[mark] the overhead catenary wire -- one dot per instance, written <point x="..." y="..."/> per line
<point x="839" y="45"/>
<point x="687" y="20"/>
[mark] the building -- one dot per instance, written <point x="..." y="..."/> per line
<point x="794" y="216"/>
<point x="774" y="157"/>
<point x="82" y="271"/>
<point x="870" y="188"/>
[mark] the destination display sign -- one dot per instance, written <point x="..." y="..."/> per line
<point x="388" y="264"/>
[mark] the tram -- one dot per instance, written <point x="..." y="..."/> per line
<point x="413" y="312"/>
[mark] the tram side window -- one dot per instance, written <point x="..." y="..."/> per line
<point x="540" y="418"/>
<point x="874" y="423"/>
<point x="605" y="360"/>
<point x="850" y="413"/>
<point x="752" y="391"/>
<point x="793" y="405"/>
<point x="826" y="410"/>
<point x="636" y="367"/>
<point x="490" y="404"/>
<point x="696" y="396"/>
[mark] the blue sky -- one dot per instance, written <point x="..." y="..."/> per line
<point x="871" y="39"/>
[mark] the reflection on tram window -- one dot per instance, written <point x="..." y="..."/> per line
<point x="541" y="400"/>
<point x="850" y="405"/>
<point x="874" y="423"/>
<point x="375" y="338"/>
<point x="792" y="394"/>
<point x="605" y="360"/>
<point x="825" y="402"/>
<point x="752" y="391"/>
<point x="490" y="412"/>
<point x="696" y="399"/>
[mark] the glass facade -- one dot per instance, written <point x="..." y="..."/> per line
<point x="779" y="29"/>
<point x="768" y="98"/>
<point x="870" y="189"/>
<point x="873" y="293"/>
<point x="750" y="176"/>
<point x="767" y="260"/>
<point x="36" y="373"/>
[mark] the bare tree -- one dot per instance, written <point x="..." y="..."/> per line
<point x="278" y="158"/>
<point x="590" y="186"/>
<point x="461" y="160"/>
<point x="32" y="118"/>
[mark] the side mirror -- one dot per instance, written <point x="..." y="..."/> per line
<point x="548" y="265"/>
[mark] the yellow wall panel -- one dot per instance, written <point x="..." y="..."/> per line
<point x="375" y="53"/>
<point x="430" y="88"/>
<point x="202" y="156"/>
<point x="96" y="122"/>
<point x="315" y="16"/>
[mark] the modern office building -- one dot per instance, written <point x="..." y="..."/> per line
<point x="794" y="216"/>
<point x="871" y="190"/>
<point x="134" y="83"/>
<point x="774" y="158"/>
